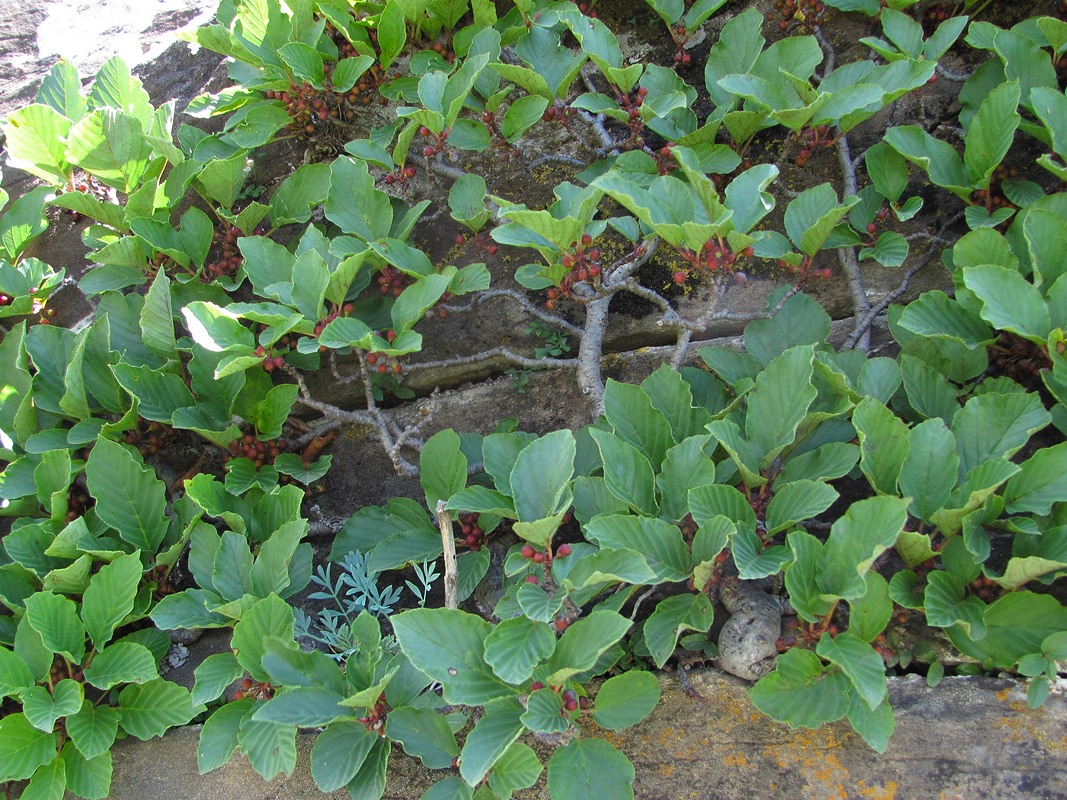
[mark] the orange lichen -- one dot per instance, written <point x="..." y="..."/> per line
<point x="887" y="792"/>
<point x="735" y="760"/>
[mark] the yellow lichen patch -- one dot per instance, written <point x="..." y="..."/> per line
<point x="811" y="753"/>
<point x="735" y="760"/>
<point x="667" y="770"/>
<point x="887" y="792"/>
<point x="1004" y="693"/>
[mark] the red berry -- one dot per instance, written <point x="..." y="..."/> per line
<point x="536" y="685"/>
<point x="571" y="705"/>
<point x="528" y="551"/>
<point x="872" y="228"/>
<point x="679" y="277"/>
<point x="538" y="558"/>
<point x="561" y="623"/>
<point x="409" y="172"/>
<point x="532" y="579"/>
<point x="563" y="550"/>
<point x="424" y="131"/>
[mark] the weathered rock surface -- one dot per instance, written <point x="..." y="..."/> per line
<point x="967" y="738"/>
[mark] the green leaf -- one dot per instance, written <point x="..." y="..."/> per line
<point x="521" y="115"/>
<point x="929" y="471"/>
<point x="516" y="646"/>
<point x="450" y="788"/>
<point x="781" y="399"/>
<point x="868" y="615"/>
<point x="874" y="725"/>
<point x="93" y="729"/>
<point x="129" y="496"/>
<point x="15" y="676"/>
<point x="121" y="662"/>
<point x="270" y="617"/>
<point x="813" y="214"/>
<point x="55" y="619"/>
<point x="938" y="158"/>
<point x="271" y="748"/>
<point x="862" y="665"/>
<point x="660" y="542"/>
<point x="590" y="769"/>
<point x="634" y="419"/>
<point x="884" y="442"/>
<point x="519" y="768"/>
<point x="110" y="596"/>
<point x="890" y="249"/>
<point x="991" y="132"/>
<point x="338" y="754"/>
<point x="541" y="476"/>
<point x="492" y="736"/>
<point x="152" y="708"/>
<point x="626" y="699"/>
<point x="303" y="706"/>
<point x="801" y="692"/>
<point x="1041" y="482"/>
<point x="218" y="737"/>
<point x="447" y="645"/>
<point x="442" y="467"/>
<point x="708" y="502"/>
<point x="110" y="144"/>
<point x="23" y="748"/>
<point x="423" y="733"/>
<point x="800" y="321"/>
<point x="43" y="709"/>
<point x="213" y="675"/>
<point x="583" y="643"/>
<point x="1010" y="302"/>
<point x="627" y="473"/>
<point x="947" y="604"/>
<point x="796" y="501"/>
<point x="34" y="139"/>
<point x="867" y="529"/>
<point x="992" y="426"/>
<point x="672" y="616"/>
<point x="1016" y="625"/>
<point x="62" y="90"/>
<point x="88" y="778"/>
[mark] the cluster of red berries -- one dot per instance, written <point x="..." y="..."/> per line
<point x="374" y="719"/>
<point x="473" y="535"/>
<point x="713" y="256"/>
<point x="62" y="669"/>
<point x="631" y="104"/>
<point x="254" y="690"/>
<point x="225" y="258"/>
<point x="160" y="261"/>
<point x="531" y="553"/>
<point x="400" y="175"/>
<point x="666" y="162"/>
<point x="805" y="270"/>
<point x="320" y="326"/>
<point x="681" y="38"/>
<point x="272" y="359"/>
<point x="259" y="452"/>
<point x="583" y="262"/>
<point x="558" y="112"/>
<point x="312" y="110"/>
<point x="994" y="198"/>
<point x="872" y="227"/>
<point x="811" y="138"/>
<point x="481" y="241"/>
<point x="149" y="437"/>
<point x="985" y="589"/>
<point x="807" y="13"/>
<point x="384" y="364"/>
<point x="934" y="15"/>
<point x="391" y="280"/>
<point x="569" y="697"/>
<point x="78" y="502"/>
<point x="437" y="145"/>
